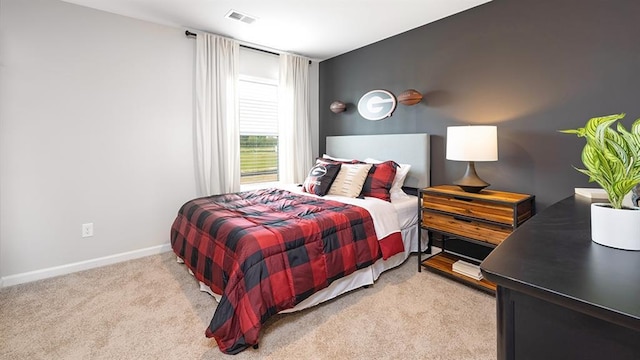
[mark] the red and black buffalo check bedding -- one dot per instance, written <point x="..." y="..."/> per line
<point x="267" y="250"/>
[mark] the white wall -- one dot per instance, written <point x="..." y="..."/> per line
<point x="95" y="126"/>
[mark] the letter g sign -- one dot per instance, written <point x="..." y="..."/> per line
<point x="377" y="104"/>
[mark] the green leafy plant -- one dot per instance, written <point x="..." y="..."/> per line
<point x="611" y="157"/>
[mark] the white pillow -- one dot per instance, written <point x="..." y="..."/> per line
<point x="397" y="195"/>
<point x="350" y="180"/>
<point x="398" y="181"/>
<point x="325" y="156"/>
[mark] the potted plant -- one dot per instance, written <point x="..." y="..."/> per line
<point x="612" y="159"/>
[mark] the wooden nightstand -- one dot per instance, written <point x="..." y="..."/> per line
<point x="485" y="218"/>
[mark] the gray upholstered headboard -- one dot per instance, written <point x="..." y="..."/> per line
<point x="411" y="149"/>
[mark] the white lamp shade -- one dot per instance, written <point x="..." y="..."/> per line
<point x="472" y="143"/>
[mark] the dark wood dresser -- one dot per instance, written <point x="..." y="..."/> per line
<point x="562" y="296"/>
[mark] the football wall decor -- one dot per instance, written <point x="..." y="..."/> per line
<point x="409" y="97"/>
<point x="337" y="107"/>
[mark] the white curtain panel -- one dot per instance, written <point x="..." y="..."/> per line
<point x="216" y="130"/>
<point x="295" y="135"/>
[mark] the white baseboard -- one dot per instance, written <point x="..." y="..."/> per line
<point x="81" y="265"/>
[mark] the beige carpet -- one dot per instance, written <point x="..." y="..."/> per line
<point x="151" y="308"/>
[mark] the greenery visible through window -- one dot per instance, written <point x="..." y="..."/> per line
<point x="258" y="159"/>
<point x="258" y="130"/>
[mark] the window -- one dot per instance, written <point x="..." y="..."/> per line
<point x="258" y="99"/>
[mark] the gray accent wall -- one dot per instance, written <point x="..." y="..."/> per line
<point x="530" y="67"/>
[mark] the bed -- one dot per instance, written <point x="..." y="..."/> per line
<point x="333" y="243"/>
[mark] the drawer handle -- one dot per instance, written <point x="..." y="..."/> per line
<point x="463" y="199"/>
<point x="461" y="219"/>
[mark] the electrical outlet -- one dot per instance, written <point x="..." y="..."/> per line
<point x="87" y="229"/>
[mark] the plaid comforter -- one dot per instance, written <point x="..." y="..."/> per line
<point x="267" y="250"/>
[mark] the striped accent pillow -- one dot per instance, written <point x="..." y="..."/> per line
<point x="350" y="180"/>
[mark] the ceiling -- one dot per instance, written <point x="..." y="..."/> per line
<point x="318" y="29"/>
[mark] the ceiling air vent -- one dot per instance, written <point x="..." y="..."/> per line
<point x="234" y="15"/>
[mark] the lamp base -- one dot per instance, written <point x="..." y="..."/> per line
<point x="470" y="182"/>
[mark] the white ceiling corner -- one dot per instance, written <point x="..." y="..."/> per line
<point x="318" y="29"/>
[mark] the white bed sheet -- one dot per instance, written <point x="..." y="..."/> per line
<point x="407" y="209"/>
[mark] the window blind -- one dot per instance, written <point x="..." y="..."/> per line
<point x="258" y="107"/>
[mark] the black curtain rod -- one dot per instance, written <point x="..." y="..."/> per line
<point x="189" y="33"/>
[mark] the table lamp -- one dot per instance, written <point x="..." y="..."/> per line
<point x="472" y="143"/>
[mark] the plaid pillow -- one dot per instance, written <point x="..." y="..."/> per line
<point x="402" y="170"/>
<point x="379" y="180"/>
<point x="320" y="178"/>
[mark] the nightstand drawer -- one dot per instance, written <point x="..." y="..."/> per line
<point x="477" y="208"/>
<point x="481" y="231"/>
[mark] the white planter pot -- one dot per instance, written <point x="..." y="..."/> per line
<point x="617" y="228"/>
